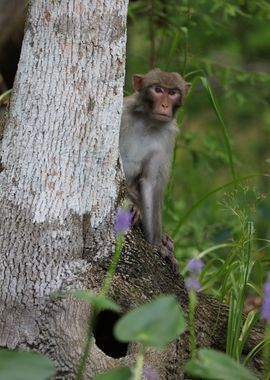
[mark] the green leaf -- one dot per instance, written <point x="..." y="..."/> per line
<point x="213" y="102"/>
<point x="20" y="365"/>
<point x="121" y="373"/>
<point x="97" y="300"/>
<point x="216" y="365"/>
<point x="154" y="324"/>
<point x="173" y="47"/>
<point x="249" y="323"/>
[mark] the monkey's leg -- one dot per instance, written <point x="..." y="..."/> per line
<point x="151" y="210"/>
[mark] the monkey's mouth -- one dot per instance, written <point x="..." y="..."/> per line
<point x="161" y="116"/>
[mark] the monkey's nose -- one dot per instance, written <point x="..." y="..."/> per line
<point x="165" y="106"/>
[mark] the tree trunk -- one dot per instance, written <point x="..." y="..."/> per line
<point x="60" y="184"/>
<point x="60" y="172"/>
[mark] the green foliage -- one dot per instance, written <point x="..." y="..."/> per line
<point x="221" y="122"/>
<point x="216" y="365"/>
<point x="121" y="373"/>
<point x="227" y="268"/>
<point x="155" y="324"/>
<point x="237" y="334"/>
<point x="217" y="183"/>
<point x="20" y="365"/>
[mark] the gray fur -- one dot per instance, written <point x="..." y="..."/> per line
<point x="146" y="148"/>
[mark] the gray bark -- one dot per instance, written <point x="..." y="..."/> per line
<point x="60" y="163"/>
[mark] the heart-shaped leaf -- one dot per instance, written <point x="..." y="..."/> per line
<point x="21" y="365"/>
<point x="154" y="324"/>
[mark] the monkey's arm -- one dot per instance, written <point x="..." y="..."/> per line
<point x="151" y="211"/>
<point x="151" y="194"/>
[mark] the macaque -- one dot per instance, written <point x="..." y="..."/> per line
<point x="147" y="138"/>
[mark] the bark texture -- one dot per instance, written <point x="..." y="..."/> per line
<point x="59" y="172"/>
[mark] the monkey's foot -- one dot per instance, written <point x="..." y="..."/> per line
<point x="166" y="251"/>
<point x="169" y="257"/>
<point x="136" y="215"/>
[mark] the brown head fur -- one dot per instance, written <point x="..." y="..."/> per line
<point x="167" y="79"/>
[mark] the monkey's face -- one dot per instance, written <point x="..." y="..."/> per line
<point x="163" y="102"/>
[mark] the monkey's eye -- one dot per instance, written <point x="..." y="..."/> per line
<point x="172" y="92"/>
<point x="158" y="89"/>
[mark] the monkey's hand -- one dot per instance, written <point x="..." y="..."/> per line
<point x="136" y="215"/>
<point x="167" y="242"/>
<point x="166" y="251"/>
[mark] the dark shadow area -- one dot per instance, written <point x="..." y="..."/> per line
<point x="105" y="339"/>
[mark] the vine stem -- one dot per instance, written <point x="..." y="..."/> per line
<point x="93" y="317"/>
<point x="88" y="342"/>
<point x="139" y="364"/>
<point x="115" y="260"/>
<point x="192" y="308"/>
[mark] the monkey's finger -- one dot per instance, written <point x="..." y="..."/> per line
<point x="136" y="215"/>
<point x="175" y="265"/>
<point x="167" y="241"/>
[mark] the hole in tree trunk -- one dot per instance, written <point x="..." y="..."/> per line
<point x="105" y="339"/>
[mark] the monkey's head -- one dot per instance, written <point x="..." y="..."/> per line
<point x="161" y="93"/>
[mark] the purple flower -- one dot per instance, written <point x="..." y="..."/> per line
<point x="192" y="283"/>
<point x="195" y="266"/>
<point x="150" y="374"/>
<point x="265" y="313"/>
<point x="123" y="219"/>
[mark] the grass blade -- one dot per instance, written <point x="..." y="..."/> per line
<point x="201" y="200"/>
<point x="220" y="118"/>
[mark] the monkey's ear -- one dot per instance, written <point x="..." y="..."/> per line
<point x="137" y="82"/>
<point x="187" y="87"/>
